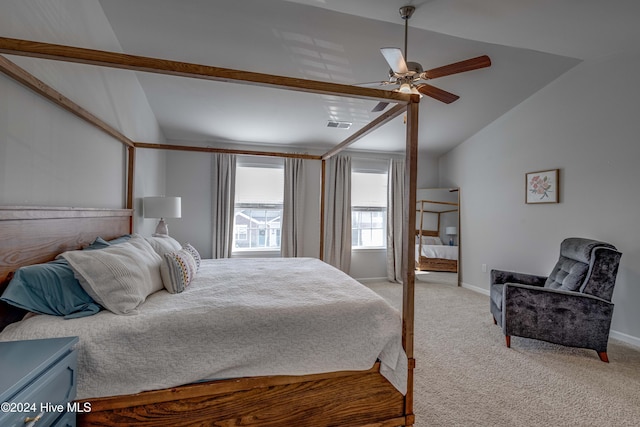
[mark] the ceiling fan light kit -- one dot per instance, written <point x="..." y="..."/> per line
<point x="410" y="76"/>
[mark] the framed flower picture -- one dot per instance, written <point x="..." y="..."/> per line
<point x="542" y="186"/>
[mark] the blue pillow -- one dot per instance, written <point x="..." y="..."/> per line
<point x="49" y="288"/>
<point x="120" y="239"/>
<point x="99" y="243"/>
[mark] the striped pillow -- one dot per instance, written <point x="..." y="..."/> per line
<point x="194" y="253"/>
<point x="178" y="270"/>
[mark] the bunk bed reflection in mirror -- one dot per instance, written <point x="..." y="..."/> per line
<point x="437" y="234"/>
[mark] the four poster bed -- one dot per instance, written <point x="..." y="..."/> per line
<point x="362" y="393"/>
<point x="431" y="253"/>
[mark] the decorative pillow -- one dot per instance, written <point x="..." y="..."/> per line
<point x="428" y="240"/>
<point x="51" y="289"/>
<point x="194" y="253"/>
<point x="119" y="277"/>
<point x="161" y="243"/>
<point x="178" y="270"/>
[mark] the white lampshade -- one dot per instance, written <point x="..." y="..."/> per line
<point x="450" y="231"/>
<point x="162" y="207"/>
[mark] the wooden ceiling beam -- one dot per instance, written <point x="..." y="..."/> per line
<point x="38" y="86"/>
<point x="163" y="66"/>
<point x="225" y="151"/>
<point x="379" y="121"/>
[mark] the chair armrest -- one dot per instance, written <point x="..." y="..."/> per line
<point x="553" y="293"/>
<point x="499" y="277"/>
<point x="562" y="317"/>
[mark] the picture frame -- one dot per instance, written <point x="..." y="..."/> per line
<point x="542" y="186"/>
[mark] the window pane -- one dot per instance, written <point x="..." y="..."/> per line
<point x="258" y="208"/>
<point x="368" y="209"/>
<point x="257" y="228"/>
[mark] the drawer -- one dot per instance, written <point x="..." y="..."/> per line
<point x="66" y="420"/>
<point x="56" y="386"/>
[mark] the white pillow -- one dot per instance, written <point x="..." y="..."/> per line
<point x="162" y="243"/>
<point x="428" y="240"/>
<point x="119" y="277"/>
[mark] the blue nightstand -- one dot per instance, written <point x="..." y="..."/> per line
<point x="37" y="380"/>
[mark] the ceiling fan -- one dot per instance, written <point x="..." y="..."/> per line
<point x="410" y="76"/>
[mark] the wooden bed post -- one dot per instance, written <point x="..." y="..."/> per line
<point x="131" y="168"/>
<point x="408" y="258"/>
<point x="323" y="189"/>
<point x="131" y="172"/>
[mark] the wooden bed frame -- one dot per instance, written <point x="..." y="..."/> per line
<point x="359" y="398"/>
<point x="433" y="264"/>
<point x="32" y="235"/>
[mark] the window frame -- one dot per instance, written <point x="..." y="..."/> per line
<point x="238" y="207"/>
<point x="355" y="209"/>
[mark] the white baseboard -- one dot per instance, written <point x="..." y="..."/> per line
<point x="372" y="279"/>
<point x="631" y="340"/>
<point x="628" y="339"/>
<point x="475" y="288"/>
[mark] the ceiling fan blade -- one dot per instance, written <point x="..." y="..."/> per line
<point x="396" y="61"/>
<point x="379" y="107"/>
<point x="458" y="67"/>
<point x="437" y="93"/>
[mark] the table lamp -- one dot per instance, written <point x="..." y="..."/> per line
<point x="450" y="231"/>
<point x="162" y="207"/>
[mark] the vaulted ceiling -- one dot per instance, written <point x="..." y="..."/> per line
<point x="530" y="43"/>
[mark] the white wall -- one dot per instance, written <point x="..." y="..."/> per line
<point x="50" y="157"/>
<point x="428" y="171"/>
<point x="586" y="124"/>
<point x="189" y="177"/>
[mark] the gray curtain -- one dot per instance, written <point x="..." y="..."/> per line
<point x="395" y="204"/>
<point x="337" y="214"/>
<point x="223" y="186"/>
<point x="291" y="236"/>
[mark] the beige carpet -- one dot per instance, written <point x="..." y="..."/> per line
<point x="466" y="376"/>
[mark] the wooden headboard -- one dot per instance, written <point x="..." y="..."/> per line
<point x="32" y="235"/>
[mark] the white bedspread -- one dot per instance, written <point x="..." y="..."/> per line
<point x="240" y="317"/>
<point x="439" y="251"/>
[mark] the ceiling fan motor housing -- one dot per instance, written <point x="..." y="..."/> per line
<point x="415" y="69"/>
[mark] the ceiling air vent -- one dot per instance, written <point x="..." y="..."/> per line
<point x="339" y="125"/>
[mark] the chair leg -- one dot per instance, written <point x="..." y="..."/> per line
<point x="508" y="339"/>
<point x="603" y="356"/>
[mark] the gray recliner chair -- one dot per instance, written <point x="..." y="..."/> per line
<point x="571" y="307"/>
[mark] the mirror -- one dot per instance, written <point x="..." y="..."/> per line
<point x="437" y="235"/>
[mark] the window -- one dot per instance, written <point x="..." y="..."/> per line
<point x="258" y="208"/>
<point x="368" y="210"/>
